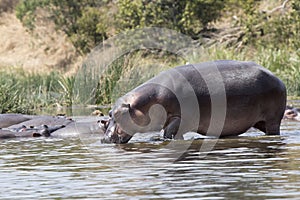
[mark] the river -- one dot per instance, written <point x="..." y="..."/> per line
<point x="251" y="166"/>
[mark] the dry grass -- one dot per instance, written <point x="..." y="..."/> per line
<point x="39" y="51"/>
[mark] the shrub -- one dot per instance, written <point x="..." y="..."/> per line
<point x="188" y="17"/>
<point x="83" y="21"/>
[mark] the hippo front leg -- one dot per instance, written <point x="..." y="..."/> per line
<point x="171" y="129"/>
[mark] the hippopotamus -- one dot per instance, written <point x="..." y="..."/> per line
<point x="291" y="113"/>
<point x="9" y="119"/>
<point x="43" y="120"/>
<point x="180" y="100"/>
<point x="43" y="130"/>
<point x="83" y="126"/>
<point x="18" y="125"/>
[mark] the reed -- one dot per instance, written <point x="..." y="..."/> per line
<point x="282" y="62"/>
<point x="25" y="92"/>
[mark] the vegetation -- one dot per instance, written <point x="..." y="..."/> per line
<point x="264" y="31"/>
<point x="188" y="17"/>
<point x="28" y="92"/>
<point x="83" y="21"/>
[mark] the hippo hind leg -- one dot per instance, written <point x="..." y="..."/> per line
<point x="273" y="127"/>
<point x="270" y="127"/>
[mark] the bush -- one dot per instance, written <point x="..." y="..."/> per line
<point x="188" y="17"/>
<point x="277" y="28"/>
<point x="83" y="21"/>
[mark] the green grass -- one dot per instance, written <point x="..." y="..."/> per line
<point x="282" y="62"/>
<point x="129" y="71"/>
<point x="24" y="92"/>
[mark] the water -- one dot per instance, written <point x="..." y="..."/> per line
<point x="252" y="166"/>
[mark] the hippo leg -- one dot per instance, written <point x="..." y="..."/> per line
<point x="172" y="128"/>
<point x="270" y="127"/>
<point x="273" y="128"/>
<point x="261" y="126"/>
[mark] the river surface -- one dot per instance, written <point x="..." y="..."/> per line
<point x="251" y="166"/>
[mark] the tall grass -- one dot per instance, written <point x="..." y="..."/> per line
<point x="282" y="62"/>
<point x="25" y="92"/>
<point x="131" y="70"/>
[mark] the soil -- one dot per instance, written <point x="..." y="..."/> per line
<point x="41" y="50"/>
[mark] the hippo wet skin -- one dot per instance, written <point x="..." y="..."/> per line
<point x="179" y="100"/>
<point x="19" y="126"/>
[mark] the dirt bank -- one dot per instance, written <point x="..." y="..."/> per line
<point x="42" y="50"/>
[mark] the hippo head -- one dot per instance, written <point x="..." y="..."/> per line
<point x="114" y="132"/>
<point x="126" y="119"/>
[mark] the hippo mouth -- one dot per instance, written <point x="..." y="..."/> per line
<point x="116" y="135"/>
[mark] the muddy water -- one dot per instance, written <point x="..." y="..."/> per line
<point x="252" y="166"/>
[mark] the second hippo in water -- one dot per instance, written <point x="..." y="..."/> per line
<point x="166" y="102"/>
<point x="56" y="126"/>
<point x="30" y="125"/>
<point x="291" y="113"/>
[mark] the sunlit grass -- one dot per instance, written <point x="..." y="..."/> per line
<point x="282" y="62"/>
<point x="25" y="92"/>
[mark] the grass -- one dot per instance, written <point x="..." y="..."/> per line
<point x="24" y="92"/>
<point x="123" y="75"/>
<point x="282" y="62"/>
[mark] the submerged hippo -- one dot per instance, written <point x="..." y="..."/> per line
<point x="253" y="97"/>
<point x="291" y="113"/>
<point x="9" y="119"/>
<point x="18" y="125"/>
<point x="43" y="130"/>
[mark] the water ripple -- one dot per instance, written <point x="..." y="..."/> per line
<point x="247" y="167"/>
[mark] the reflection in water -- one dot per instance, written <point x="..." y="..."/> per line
<point x="251" y="166"/>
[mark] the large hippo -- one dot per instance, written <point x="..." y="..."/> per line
<point x="181" y="99"/>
